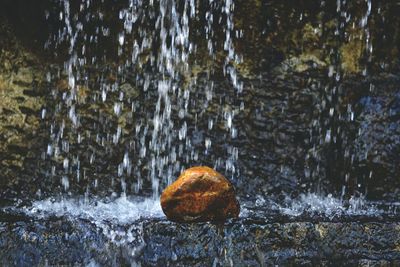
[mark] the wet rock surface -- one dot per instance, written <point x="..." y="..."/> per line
<point x="200" y="194"/>
<point x="285" y="137"/>
<point x="247" y="241"/>
<point x="21" y="101"/>
<point x="377" y="144"/>
<point x="288" y="140"/>
<point x="298" y="129"/>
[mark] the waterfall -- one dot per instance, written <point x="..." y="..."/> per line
<point x="149" y="77"/>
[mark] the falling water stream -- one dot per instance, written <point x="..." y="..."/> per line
<point x="159" y="143"/>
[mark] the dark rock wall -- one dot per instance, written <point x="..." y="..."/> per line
<point x="28" y="21"/>
<point x="288" y="50"/>
<point x="22" y="136"/>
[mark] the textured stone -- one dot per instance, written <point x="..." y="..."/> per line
<point x="264" y="240"/>
<point x="200" y="194"/>
<point x="20" y="137"/>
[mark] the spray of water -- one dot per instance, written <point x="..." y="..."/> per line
<point x="149" y="82"/>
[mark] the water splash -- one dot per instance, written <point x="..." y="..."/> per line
<point x="122" y="211"/>
<point x="329" y="206"/>
<point x="119" y="220"/>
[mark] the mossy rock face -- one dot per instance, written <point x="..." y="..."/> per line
<point x="21" y="103"/>
<point x="273" y="31"/>
<point x="278" y="31"/>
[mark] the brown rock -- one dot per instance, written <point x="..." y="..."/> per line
<point x="200" y="194"/>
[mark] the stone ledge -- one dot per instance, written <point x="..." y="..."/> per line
<point x="55" y="241"/>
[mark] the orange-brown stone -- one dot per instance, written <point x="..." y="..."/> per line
<point x="200" y="194"/>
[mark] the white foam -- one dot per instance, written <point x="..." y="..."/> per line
<point x="328" y="206"/>
<point x="125" y="210"/>
<point x="122" y="210"/>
